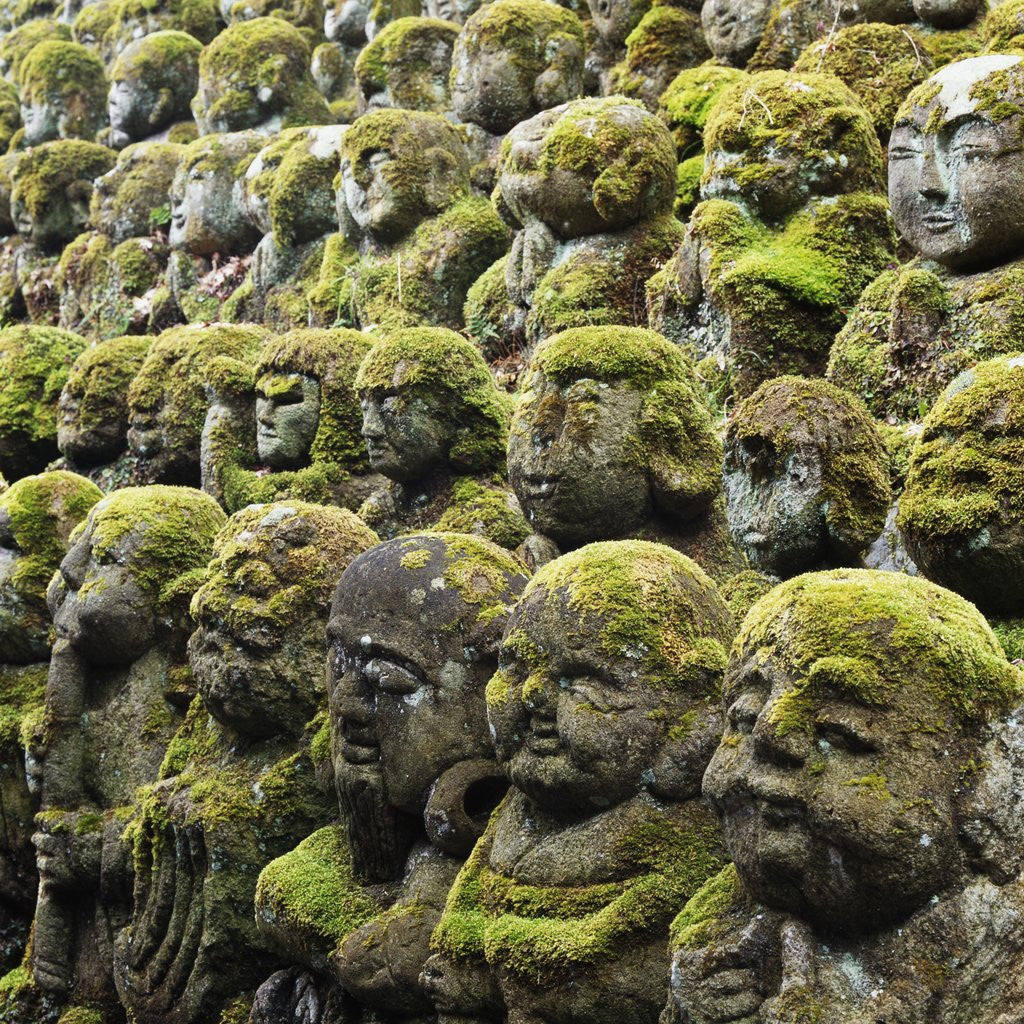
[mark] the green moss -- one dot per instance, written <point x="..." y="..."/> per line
<point x="264" y="54"/>
<point x="742" y="591"/>
<point x="968" y="464"/>
<point x="485" y="511"/>
<point x="694" y="926"/>
<point x="1003" y="30"/>
<point x="22" y="695"/>
<point x="164" y="58"/>
<point x="535" y="931"/>
<point x="882" y="639"/>
<point x="162" y="532"/>
<point x="127" y="20"/>
<point x="312" y="889"/>
<point x="237" y="1011"/>
<point x="689" y="99"/>
<point x="81" y="1015"/>
<point x="438" y="361"/>
<point x="92" y="22"/>
<point x="880" y="63"/>
<point x="58" y="70"/>
<point x="35" y="362"/>
<point x="402" y="60"/>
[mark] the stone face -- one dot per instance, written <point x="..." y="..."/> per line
<point x="733" y="28"/>
<point x="819" y="784"/>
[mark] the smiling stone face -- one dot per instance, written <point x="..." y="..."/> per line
<point x="956" y="164"/>
<point x="848" y="721"/>
<point x="733" y="28"/>
<point x="612" y="656"/>
<point x="411" y="644"/>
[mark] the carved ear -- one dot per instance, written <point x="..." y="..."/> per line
<point x="562" y="79"/>
<point x="991" y="825"/>
<point x="460" y="805"/>
<point x="163" y="109"/>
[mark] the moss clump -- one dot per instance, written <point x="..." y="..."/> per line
<point x="643" y="601"/>
<point x="435" y="361"/>
<point x="694" y="927"/>
<point x="123" y="202"/>
<point x="882" y="639"/>
<point x="19" y="42"/>
<point x="312" y="889"/>
<point x="425" y="281"/>
<point x="65" y="73"/>
<point x="528" y="30"/>
<point x="306" y="169"/>
<point x="165" y="57"/>
<point x="742" y="591"/>
<point x="255" y="71"/>
<point x="404" y="60"/>
<point x="1003" y="30"/>
<point x="34" y="367"/>
<point x="81" y="1015"/>
<point x="123" y="21"/>
<point x="163" y="533"/>
<point x="331" y="298"/>
<point x="92" y="22"/>
<point x="687" y="102"/>
<point x="537" y="932"/>
<point x="665" y="40"/>
<point x="675" y="439"/>
<point x="790" y="413"/>
<point x="485" y="511"/>
<point x="880" y="63"/>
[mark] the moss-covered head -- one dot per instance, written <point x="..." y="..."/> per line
<point x="609" y="677"/>
<point x="962" y="512"/>
<point x="514" y="58"/>
<point x="92" y="415"/>
<point x="588" y="166"/>
<point x="257" y="654"/>
<point x="63" y="89"/>
<point x="778" y="139"/>
<point x="331" y="359"/>
<point x="429" y="403"/>
<point x="255" y="74"/>
<point x="37" y="517"/>
<point x="806" y="476"/>
<point x="610" y="426"/>
<point x="399" y="167"/>
<point x="867" y="698"/>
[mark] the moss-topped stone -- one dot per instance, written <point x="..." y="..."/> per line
<point x="63" y="90"/>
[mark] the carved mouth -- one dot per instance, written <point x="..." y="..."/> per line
<point x="543" y="740"/>
<point x="359" y="744"/>
<point x="938" y="222"/>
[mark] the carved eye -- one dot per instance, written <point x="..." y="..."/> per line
<point x="393" y="678"/>
<point x="844" y="736"/>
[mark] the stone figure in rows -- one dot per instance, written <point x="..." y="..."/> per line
<point x="588" y="188"/>
<point x="116" y="690"/>
<point x="806" y="477"/>
<point x="37" y="517"/>
<point x="238" y="787"/>
<point x="167" y="397"/>
<point x="152" y="84"/>
<point x="604" y="712"/>
<point x="413" y="639"/>
<point x="435" y="426"/>
<point x="63" y="91"/>
<point x="413" y="236"/>
<point x="792" y="225"/>
<point x="290" y="427"/>
<point x="865" y="784"/>
<point x="955" y="168"/>
<point x="612" y="438"/>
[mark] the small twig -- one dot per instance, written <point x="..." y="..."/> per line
<point x="748" y="95"/>
<point x="824" y="47"/>
<point x="917" y="52"/>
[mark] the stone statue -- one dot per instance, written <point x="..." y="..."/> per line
<point x="63" y="92"/>
<point x="115" y="692"/>
<point x="588" y="188"/>
<point x="806" y="477"/>
<point x="152" y="84"/>
<point x="117" y="23"/>
<point x="37" y="516"/>
<point x="167" y="397"/>
<point x="92" y="413"/>
<point x="954" y="172"/>
<point x="960" y="513"/>
<point x="865" y="784"/>
<point x="604" y="712"/>
<point x="612" y="438"/>
<point x="413" y="236"/>
<point x="792" y="226"/>
<point x="435" y="425"/>
<point x="255" y="75"/>
<point x="290" y="427"/>
<point x="413" y="639"/>
<point x="238" y="786"/>
<point x="407" y="66"/>
<point x="733" y="28"/>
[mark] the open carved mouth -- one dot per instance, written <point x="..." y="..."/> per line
<point x="541" y="487"/>
<point x="359" y="744"/>
<point x="938" y="222"/>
